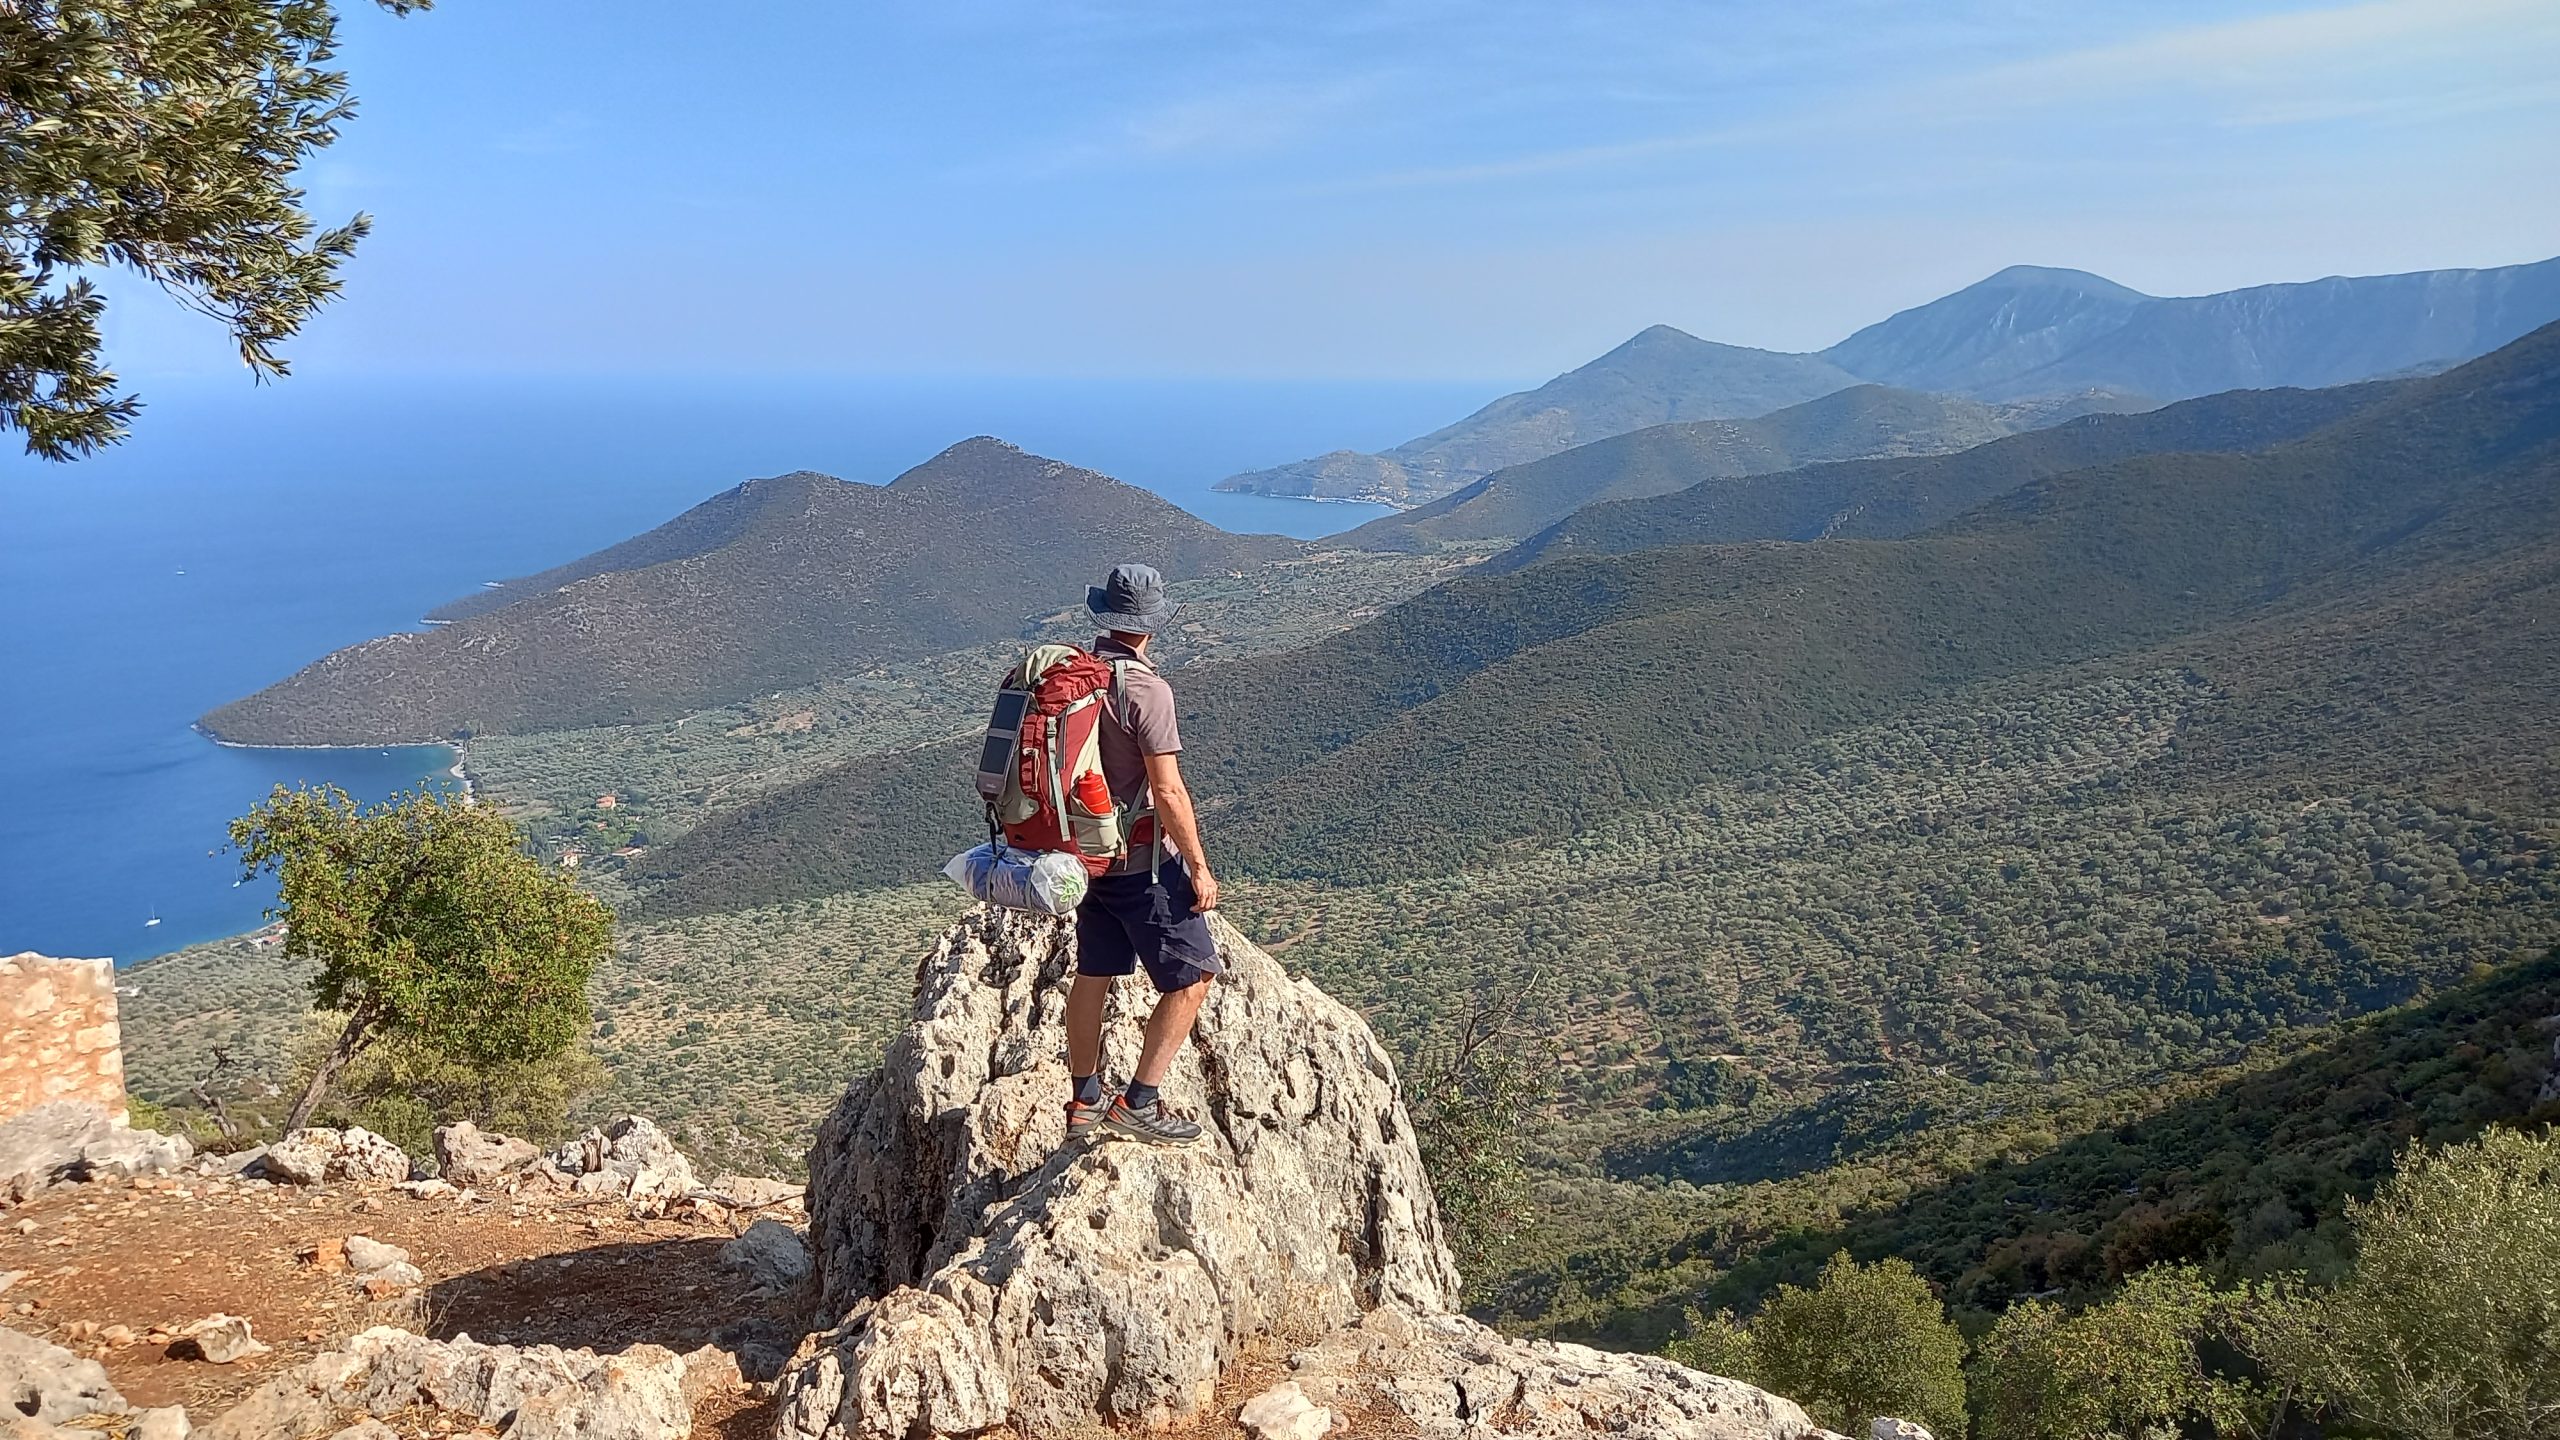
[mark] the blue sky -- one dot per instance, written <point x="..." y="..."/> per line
<point x="1401" y="190"/>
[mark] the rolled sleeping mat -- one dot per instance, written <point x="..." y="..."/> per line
<point x="1050" y="882"/>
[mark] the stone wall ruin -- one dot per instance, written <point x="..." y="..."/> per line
<point x="58" y="1034"/>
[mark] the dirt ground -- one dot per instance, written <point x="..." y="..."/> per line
<point x="152" y="1256"/>
<point x="169" y="1251"/>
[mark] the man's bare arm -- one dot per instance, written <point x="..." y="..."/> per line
<point x="1180" y="826"/>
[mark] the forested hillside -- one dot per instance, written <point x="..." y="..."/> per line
<point x="781" y="583"/>
<point x="1882" y="499"/>
<point x="1859" y="422"/>
<point x="1544" y="702"/>
<point x="2001" y="1192"/>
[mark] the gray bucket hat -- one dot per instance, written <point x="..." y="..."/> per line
<point x="1132" y="601"/>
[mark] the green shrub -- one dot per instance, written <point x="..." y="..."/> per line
<point x="402" y="1090"/>
<point x="428" y="922"/>
<point x="1717" y="1344"/>
<point x="1472" y="1093"/>
<point x="2449" y="1323"/>
<point x="1867" y="1340"/>
<point x="2126" y="1369"/>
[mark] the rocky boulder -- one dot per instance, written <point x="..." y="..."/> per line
<point x="756" y="1192"/>
<point x="538" y="1392"/>
<point x="770" y="1253"/>
<point x="1449" y="1377"/>
<point x="629" y="1158"/>
<point x="68" y="1141"/>
<point x="219" y="1339"/>
<point x="468" y="1155"/>
<point x="45" y="1383"/>
<point x="976" y="1272"/>
<point x="319" y="1155"/>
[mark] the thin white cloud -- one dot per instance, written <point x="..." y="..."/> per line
<point x="1243" y="119"/>
<point x="2268" y="70"/>
<point x="2282" y="47"/>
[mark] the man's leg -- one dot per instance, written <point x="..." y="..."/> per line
<point x="1140" y="1113"/>
<point x="1103" y="954"/>
<point x="1181" y="957"/>
<point x="1167" y="1028"/>
<point x="1085" y="1002"/>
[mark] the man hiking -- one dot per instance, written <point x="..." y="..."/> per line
<point x="1149" y="908"/>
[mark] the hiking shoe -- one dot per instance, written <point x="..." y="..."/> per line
<point x="1157" y="1124"/>
<point x="1081" y="1118"/>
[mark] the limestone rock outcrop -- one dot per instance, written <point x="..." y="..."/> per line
<point x="319" y="1155"/>
<point x="1449" y="1377"/>
<point x="629" y="1158"/>
<point x="538" y="1392"/>
<point x="43" y="1382"/>
<point x="67" y="1141"/>
<point x="974" y="1270"/>
<point x="468" y="1155"/>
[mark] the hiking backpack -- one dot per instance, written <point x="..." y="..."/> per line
<point x="1040" y="771"/>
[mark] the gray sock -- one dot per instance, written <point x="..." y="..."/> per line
<point x="1089" y="1088"/>
<point x="1139" y="1096"/>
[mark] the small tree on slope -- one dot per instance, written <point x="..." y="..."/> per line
<point x="428" y="921"/>
<point x="2129" y="1368"/>
<point x="1867" y="1340"/>
<point x="2450" y="1322"/>
<point x="1471" y="1092"/>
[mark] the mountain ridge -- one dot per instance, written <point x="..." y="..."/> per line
<point x="2026" y="313"/>
<point x="1711" y="658"/>
<point x="2293" y="334"/>
<point x="1860" y="422"/>
<point x="1888" y="498"/>
<point x="2021" y="333"/>
<point x="721" y="520"/>
<point x="1657" y="376"/>
<point x="767" y="585"/>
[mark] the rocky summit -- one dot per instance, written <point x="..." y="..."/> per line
<point x="973" y="1270"/>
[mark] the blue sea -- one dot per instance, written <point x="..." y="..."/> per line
<point x="245" y="531"/>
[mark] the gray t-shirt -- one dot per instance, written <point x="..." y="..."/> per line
<point x="1141" y="726"/>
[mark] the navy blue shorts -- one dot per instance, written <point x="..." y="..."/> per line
<point x="1125" y="919"/>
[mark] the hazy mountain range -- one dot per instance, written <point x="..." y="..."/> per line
<point x="2028" y="331"/>
<point x="2413" y="536"/>
<point x="1884" y="498"/>
<point x="803" y="577"/>
<point x="1660" y="376"/>
<point x="1861" y="422"/>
